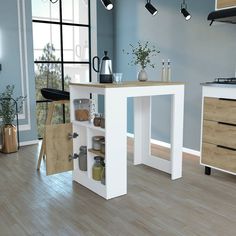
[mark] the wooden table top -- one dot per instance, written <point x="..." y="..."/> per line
<point x="128" y="84"/>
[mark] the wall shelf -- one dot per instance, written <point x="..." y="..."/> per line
<point x="97" y="153"/>
<point x="87" y="124"/>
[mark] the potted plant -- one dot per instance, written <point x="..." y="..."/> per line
<point x="141" y="55"/>
<point x="9" y="108"/>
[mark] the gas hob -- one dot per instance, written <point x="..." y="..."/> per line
<point x="222" y="82"/>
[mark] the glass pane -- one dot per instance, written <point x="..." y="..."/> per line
<point x="41" y="114"/>
<point x="48" y="45"/>
<point x="47" y="76"/>
<point x="75" y="11"/>
<point x="75" y="43"/>
<point x="58" y="114"/>
<point x="76" y="73"/>
<point x="45" y="10"/>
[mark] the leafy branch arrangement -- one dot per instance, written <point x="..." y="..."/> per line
<point x="8" y="105"/>
<point x="141" y="54"/>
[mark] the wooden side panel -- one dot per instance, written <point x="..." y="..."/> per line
<point x="58" y="148"/>
<point x="225" y="3"/>
<point x="220" y="110"/>
<point x="219" y="157"/>
<point x="219" y="134"/>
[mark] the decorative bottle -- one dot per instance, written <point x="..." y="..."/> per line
<point x="168" y="73"/>
<point x="163" y="71"/>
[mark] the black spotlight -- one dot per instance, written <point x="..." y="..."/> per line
<point x="151" y="8"/>
<point x="184" y="11"/>
<point x="107" y="4"/>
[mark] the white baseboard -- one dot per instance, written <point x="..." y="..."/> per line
<point x="26" y="143"/>
<point x="167" y="145"/>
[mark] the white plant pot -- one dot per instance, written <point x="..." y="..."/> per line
<point x="142" y="75"/>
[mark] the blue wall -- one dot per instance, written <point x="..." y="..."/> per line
<point x="198" y="53"/>
<point x="15" y="49"/>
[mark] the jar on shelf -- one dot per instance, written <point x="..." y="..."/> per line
<point x="102" y="122"/>
<point x="82" y="109"/>
<point x="97" y="120"/>
<point x="92" y="109"/>
<point x="97" y="168"/>
<point x="83" y="158"/>
<point x="102" y="147"/>
<point x="103" y="174"/>
<point x="96" y="142"/>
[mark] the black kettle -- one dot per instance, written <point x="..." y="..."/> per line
<point x="104" y="68"/>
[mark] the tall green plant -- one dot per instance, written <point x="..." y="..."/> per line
<point x="8" y="105"/>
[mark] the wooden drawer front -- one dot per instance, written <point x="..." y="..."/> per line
<point x="218" y="157"/>
<point x="225" y="3"/>
<point x="220" y="110"/>
<point x="219" y="134"/>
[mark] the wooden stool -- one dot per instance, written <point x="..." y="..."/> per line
<point x="50" y="112"/>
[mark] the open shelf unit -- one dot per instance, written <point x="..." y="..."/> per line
<point x="86" y="131"/>
<point x="115" y="167"/>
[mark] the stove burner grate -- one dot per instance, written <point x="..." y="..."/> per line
<point x="225" y="81"/>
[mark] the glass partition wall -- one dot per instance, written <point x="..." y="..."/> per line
<point x="62" y="50"/>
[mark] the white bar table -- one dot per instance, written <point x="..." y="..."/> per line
<point x="116" y="128"/>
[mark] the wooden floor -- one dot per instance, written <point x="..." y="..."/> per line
<point x="33" y="204"/>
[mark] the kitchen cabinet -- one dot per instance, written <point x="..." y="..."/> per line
<point x="63" y="145"/>
<point x="221" y="4"/>
<point x="218" y="146"/>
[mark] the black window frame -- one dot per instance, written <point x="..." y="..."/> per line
<point x="61" y="61"/>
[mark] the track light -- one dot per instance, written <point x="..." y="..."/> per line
<point x="107" y="4"/>
<point x="184" y="11"/>
<point x="151" y="8"/>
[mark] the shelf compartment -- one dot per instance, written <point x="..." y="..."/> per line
<point x="89" y="125"/>
<point x="97" y="153"/>
<point x="93" y="185"/>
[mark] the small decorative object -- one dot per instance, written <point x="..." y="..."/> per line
<point x="9" y="109"/>
<point x="103" y="147"/>
<point x="81" y="109"/>
<point x="102" y="122"/>
<point x="92" y="109"/>
<point x="83" y="158"/>
<point x="96" y="142"/>
<point x="141" y="55"/>
<point x="97" y="168"/>
<point x="168" y="73"/>
<point x="103" y="174"/>
<point x="97" y="120"/>
<point x="117" y="78"/>
<point x="163" y="71"/>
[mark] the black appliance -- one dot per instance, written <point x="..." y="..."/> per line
<point x="225" y="15"/>
<point x="223" y="81"/>
<point x="104" y="68"/>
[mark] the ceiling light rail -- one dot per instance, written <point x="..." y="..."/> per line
<point x="149" y="6"/>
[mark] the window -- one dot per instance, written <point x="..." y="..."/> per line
<point x="62" y="50"/>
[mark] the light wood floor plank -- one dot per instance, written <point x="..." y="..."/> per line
<point x="32" y="204"/>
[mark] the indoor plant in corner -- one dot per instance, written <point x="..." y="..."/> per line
<point x="9" y="108"/>
<point x="141" y="55"/>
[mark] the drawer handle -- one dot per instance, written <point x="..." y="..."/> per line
<point x="223" y="123"/>
<point x="72" y="135"/>
<point x="220" y="146"/>
<point x="73" y="157"/>
<point x="227" y="99"/>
